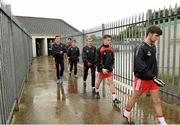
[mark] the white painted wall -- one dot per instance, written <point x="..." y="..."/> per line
<point x="45" y="44"/>
<point x="34" y="46"/>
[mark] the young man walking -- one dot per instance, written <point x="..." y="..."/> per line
<point x="105" y="65"/>
<point x="88" y="57"/>
<point x="73" y="54"/>
<point x="145" y="71"/>
<point x="58" y="50"/>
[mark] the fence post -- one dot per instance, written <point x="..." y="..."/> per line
<point x="103" y="30"/>
<point x="103" y="86"/>
<point x="149" y="17"/>
<point x="83" y="37"/>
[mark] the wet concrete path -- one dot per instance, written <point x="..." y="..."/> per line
<point x="39" y="102"/>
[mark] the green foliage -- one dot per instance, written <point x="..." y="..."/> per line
<point x="178" y="10"/>
<point x="168" y="12"/>
<point x="170" y="78"/>
<point x="96" y="40"/>
<point x="132" y="31"/>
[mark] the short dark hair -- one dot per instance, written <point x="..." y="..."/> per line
<point x="107" y="36"/>
<point x="57" y="36"/>
<point x="153" y="29"/>
<point x="74" y="41"/>
<point x="69" y="39"/>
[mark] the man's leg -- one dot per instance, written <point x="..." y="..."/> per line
<point x="135" y="96"/>
<point x="75" y="68"/>
<point x="113" y="90"/>
<point x="71" y="67"/>
<point x="57" y="75"/>
<point x="61" y="72"/>
<point x="98" y="81"/>
<point x="57" y="70"/>
<point x="93" y="72"/>
<point x="85" y="75"/>
<point x="157" y="105"/>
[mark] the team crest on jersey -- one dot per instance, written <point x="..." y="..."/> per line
<point x="149" y="53"/>
<point x="87" y="51"/>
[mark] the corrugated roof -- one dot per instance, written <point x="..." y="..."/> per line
<point x="46" y="26"/>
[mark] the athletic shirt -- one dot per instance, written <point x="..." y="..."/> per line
<point x="145" y="63"/>
<point x="105" y="58"/>
<point x="88" y="54"/>
<point x="73" y="53"/>
<point x="56" y="48"/>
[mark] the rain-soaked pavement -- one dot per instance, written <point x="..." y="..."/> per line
<point x="39" y="103"/>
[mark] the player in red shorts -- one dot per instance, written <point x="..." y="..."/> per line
<point x="105" y="64"/>
<point x="145" y="71"/>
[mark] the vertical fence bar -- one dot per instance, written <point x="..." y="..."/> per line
<point x="123" y="48"/>
<point x="83" y="37"/>
<point x="142" y="28"/>
<point x="174" y="51"/>
<point x="178" y="101"/>
<point x="158" y="43"/>
<point x="126" y="35"/>
<point x="168" y="51"/>
<point x="163" y="47"/>
<point x="132" y="54"/>
<point x="129" y="52"/>
<point x="121" y="52"/>
<point x="115" y="52"/>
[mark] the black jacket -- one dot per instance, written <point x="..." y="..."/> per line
<point x="73" y="54"/>
<point x="55" y="52"/>
<point x="88" y="54"/>
<point x="145" y="63"/>
<point x="105" y="58"/>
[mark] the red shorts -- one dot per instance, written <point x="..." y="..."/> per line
<point x="102" y="75"/>
<point x="144" y="85"/>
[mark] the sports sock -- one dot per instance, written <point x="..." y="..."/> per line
<point x="162" y="120"/>
<point x="97" y="89"/>
<point x="113" y="96"/>
<point x="126" y="113"/>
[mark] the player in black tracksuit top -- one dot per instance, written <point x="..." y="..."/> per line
<point x="58" y="50"/>
<point x="73" y="54"/>
<point x="146" y="71"/>
<point x="105" y="59"/>
<point x="88" y="57"/>
<point x="105" y="64"/>
<point x="145" y="63"/>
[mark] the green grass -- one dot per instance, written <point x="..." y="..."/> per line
<point x="170" y="78"/>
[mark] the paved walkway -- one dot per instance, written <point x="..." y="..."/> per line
<point x="39" y="102"/>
